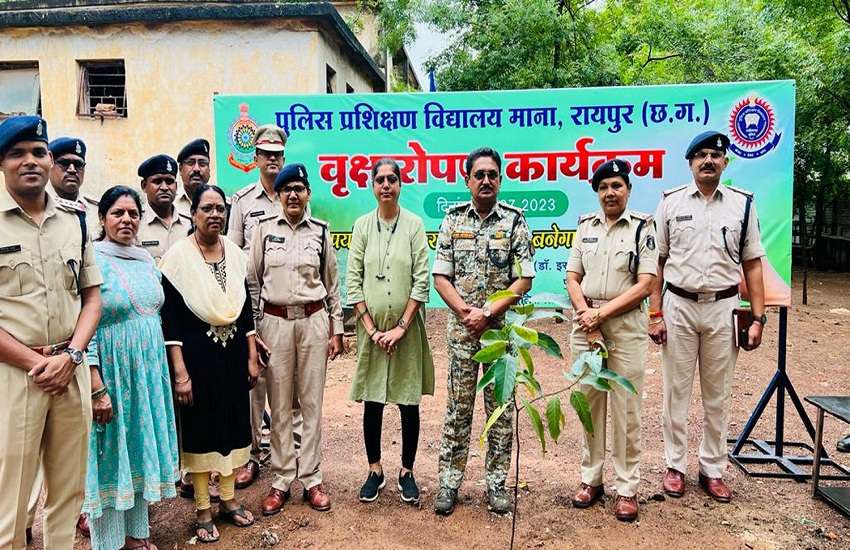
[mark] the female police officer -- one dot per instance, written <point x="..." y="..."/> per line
<point x="610" y="272"/>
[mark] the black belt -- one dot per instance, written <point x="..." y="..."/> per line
<point x="703" y="296"/>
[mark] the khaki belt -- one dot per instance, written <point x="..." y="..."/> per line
<point x="55" y="349"/>
<point x="703" y="296"/>
<point x="294" y="312"/>
<point x="594" y="302"/>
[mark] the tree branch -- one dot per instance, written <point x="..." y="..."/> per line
<point x="842" y="8"/>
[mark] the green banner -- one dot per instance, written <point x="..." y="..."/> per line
<point x="550" y="141"/>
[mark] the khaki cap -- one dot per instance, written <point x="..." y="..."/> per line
<point x="269" y="137"/>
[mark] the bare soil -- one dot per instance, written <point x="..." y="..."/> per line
<point x="763" y="514"/>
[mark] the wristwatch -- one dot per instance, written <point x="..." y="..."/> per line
<point x="762" y="319"/>
<point x="76" y="355"/>
<point x="486" y="311"/>
<point x="401" y="323"/>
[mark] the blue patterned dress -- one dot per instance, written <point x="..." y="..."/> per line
<point x="135" y="454"/>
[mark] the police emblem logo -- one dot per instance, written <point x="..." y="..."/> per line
<point x="650" y="242"/>
<point x="241" y="138"/>
<point x="752" y="127"/>
<point x="719" y="142"/>
<point x="300" y="172"/>
<point x="206" y="149"/>
<point x="615" y="168"/>
<point x="78" y="149"/>
<point x="168" y="165"/>
<point x="39" y="129"/>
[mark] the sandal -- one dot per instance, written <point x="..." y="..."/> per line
<point x="231" y="515"/>
<point x="207" y="526"/>
<point x="146" y="544"/>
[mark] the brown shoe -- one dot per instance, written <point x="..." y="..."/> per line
<point x="83" y="525"/>
<point x="587" y="495"/>
<point x="247" y="474"/>
<point x="273" y="503"/>
<point x="626" y="508"/>
<point x="318" y="498"/>
<point x="674" y="483"/>
<point x="715" y="488"/>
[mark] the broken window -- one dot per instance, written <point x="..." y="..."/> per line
<point x="103" y="90"/>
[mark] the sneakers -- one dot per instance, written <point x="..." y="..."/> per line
<point x="444" y="504"/>
<point x="407" y="488"/>
<point x="372" y="488"/>
<point x="498" y="501"/>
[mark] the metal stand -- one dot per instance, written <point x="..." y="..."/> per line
<point x="769" y="458"/>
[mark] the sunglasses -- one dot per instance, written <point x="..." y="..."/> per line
<point x="392" y="178"/>
<point x="492" y="175"/>
<point x="67" y="163"/>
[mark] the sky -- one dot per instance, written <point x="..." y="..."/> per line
<point x="428" y="43"/>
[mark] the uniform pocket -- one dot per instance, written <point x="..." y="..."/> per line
<point x="498" y="251"/>
<point x="17" y="277"/>
<point x="622" y="259"/>
<point x="682" y="233"/>
<point x="275" y="254"/>
<point x="71" y="266"/>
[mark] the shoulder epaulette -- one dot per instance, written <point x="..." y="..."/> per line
<point x="741" y="191"/>
<point x="71" y="206"/>
<point x="183" y="215"/>
<point x="242" y="192"/>
<point x="641" y="216"/>
<point x="458" y="207"/>
<point x="511" y="207"/>
<point x="586" y="217"/>
<point x="267" y="217"/>
<point x="317" y="221"/>
<point x="91" y="200"/>
<point x="674" y="190"/>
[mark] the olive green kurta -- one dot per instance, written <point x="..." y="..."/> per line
<point x="402" y="258"/>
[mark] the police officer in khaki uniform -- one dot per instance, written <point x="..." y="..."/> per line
<point x="484" y="246"/>
<point x="49" y="309"/>
<point x="194" y="163"/>
<point x="247" y="207"/>
<point x="610" y="271"/>
<point x="162" y="223"/>
<point x="292" y="275"/>
<point x="68" y="175"/>
<point x="707" y="233"/>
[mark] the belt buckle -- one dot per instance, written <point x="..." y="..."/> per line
<point x="705" y="297"/>
<point x="294" y="312"/>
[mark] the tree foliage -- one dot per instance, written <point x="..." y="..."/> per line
<point x="520" y="44"/>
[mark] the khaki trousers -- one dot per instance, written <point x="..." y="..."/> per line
<point x="625" y="336"/>
<point x="299" y="359"/>
<point x="54" y="431"/>
<point x="698" y="334"/>
<point x="259" y="401"/>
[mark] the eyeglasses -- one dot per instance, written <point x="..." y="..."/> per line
<point x="492" y="175"/>
<point x="297" y="189"/>
<point x="392" y="179"/>
<point x="200" y="163"/>
<point x="713" y="155"/>
<point x="67" y="163"/>
<point x="209" y="208"/>
<point x="270" y="154"/>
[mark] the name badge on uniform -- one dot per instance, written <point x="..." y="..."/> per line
<point x="590" y="239"/>
<point x="10" y="249"/>
<point x="150" y="243"/>
<point x="256" y="213"/>
<point x="276" y="239"/>
<point x="463" y="235"/>
<point x="500" y="235"/>
<point x="684" y="218"/>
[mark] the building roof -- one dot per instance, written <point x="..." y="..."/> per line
<point x="94" y="13"/>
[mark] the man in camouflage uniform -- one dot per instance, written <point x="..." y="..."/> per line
<point x="484" y="247"/>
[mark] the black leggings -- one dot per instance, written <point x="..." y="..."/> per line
<point x="373" y="417"/>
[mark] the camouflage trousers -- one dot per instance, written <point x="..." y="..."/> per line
<point x="457" y="426"/>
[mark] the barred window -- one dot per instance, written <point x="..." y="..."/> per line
<point x="20" y="90"/>
<point x="103" y="91"/>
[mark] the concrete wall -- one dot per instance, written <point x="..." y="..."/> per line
<point x="173" y="70"/>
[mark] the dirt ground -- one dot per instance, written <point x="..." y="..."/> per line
<point x="763" y="514"/>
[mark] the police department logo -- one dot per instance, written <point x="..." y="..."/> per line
<point x="752" y="125"/>
<point x="241" y="137"/>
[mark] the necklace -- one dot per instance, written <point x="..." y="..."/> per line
<point x="224" y="333"/>
<point x="382" y="264"/>
<point x="201" y="250"/>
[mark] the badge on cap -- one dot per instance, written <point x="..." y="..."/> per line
<point x="168" y="165"/>
<point x="616" y="167"/>
<point x="79" y="149"/>
<point x="300" y="172"/>
<point x="206" y="150"/>
<point x="719" y="142"/>
<point x="38" y="129"/>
